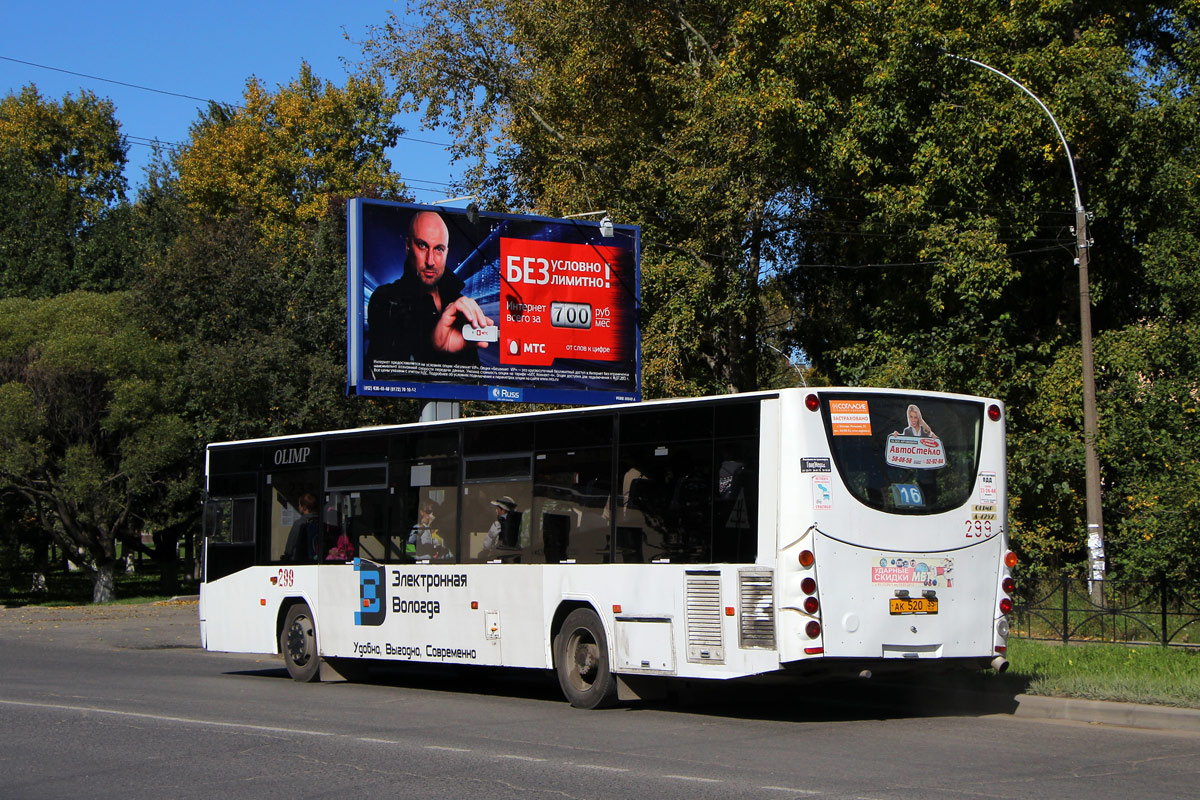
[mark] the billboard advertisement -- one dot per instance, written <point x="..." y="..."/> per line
<point x="448" y="304"/>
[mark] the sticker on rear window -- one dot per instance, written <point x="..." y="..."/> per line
<point x="850" y="417"/>
<point x="916" y="446"/>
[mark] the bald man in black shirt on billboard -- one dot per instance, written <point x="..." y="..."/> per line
<point x="420" y="316"/>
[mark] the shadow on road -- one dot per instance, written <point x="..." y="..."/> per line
<point x="898" y="696"/>
<point x="796" y="699"/>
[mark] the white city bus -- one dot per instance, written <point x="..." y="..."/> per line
<point x="797" y="532"/>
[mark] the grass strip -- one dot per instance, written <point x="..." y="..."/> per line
<point x="1165" y="676"/>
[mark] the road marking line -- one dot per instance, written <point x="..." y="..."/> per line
<point x="451" y="749"/>
<point x="519" y="758"/>
<point x="165" y="718"/>
<point x="600" y="767"/>
<point x="693" y="778"/>
<point x="788" y="789"/>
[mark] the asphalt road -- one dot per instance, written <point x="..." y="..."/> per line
<point x="122" y="702"/>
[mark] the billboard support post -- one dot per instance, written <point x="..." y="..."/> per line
<point x="440" y="409"/>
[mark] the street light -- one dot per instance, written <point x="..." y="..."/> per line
<point x="799" y="372"/>
<point x="1095" y="521"/>
<point x="472" y="206"/>
<point x="606" y="224"/>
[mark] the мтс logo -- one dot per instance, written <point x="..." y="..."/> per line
<point x="372" y="593"/>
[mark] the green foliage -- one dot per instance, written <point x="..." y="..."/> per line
<point x="63" y="219"/>
<point x="813" y="180"/>
<point x="248" y="274"/>
<point x="1152" y="444"/>
<point x="820" y="177"/>
<point x="89" y="438"/>
<point x="280" y="155"/>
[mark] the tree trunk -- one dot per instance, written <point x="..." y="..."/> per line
<point x="41" y="563"/>
<point x="166" y="549"/>
<point x="749" y="378"/>
<point x="104" y="583"/>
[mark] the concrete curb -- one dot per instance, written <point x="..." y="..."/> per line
<point x="1130" y="715"/>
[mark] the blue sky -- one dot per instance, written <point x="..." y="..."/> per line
<point x="203" y="49"/>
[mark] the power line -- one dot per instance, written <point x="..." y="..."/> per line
<point x="173" y="94"/>
<point x="154" y="141"/>
<point x="151" y="141"/>
<point x="119" y="83"/>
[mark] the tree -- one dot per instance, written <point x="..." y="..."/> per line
<point x="826" y="163"/>
<point x="626" y="116"/>
<point x="62" y="195"/>
<point x="248" y="274"/>
<point x="281" y="154"/>
<point x="88" y="437"/>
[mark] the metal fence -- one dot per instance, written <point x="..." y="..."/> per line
<point x="1132" y="612"/>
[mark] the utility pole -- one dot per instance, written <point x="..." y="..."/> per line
<point x="1091" y="421"/>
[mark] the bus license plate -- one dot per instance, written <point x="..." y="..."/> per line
<point x="912" y="605"/>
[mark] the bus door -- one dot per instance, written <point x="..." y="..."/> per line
<point x="354" y="542"/>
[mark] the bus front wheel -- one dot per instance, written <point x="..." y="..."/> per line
<point x="581" y="660"/>
<point x="298" y="644"/>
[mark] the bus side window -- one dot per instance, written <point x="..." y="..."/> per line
<point x="283" y="491"/>
<point x="570" y="497"/>
<point x="218" y="519"/>
<point x="359" y="517"/>
<point x="424" y="512"/>
<point x="735" y="507"/>
<point x="664" y="504"/>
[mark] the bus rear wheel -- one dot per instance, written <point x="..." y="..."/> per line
<point x="581" y="660"/>
<point x="298" y="644"/>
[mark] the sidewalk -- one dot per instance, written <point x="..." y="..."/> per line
<point x="155" y="626"/>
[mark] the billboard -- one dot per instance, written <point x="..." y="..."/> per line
<point x="446" y="304"/>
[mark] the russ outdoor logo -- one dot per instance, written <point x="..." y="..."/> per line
<point x="371" y="593"/>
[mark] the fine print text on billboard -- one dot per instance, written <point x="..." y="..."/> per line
<point x="446" y="305"/>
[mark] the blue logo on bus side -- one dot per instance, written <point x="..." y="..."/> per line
<point x="371" y="593"/>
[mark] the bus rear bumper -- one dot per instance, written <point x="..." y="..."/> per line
<point x="830" y="666"/>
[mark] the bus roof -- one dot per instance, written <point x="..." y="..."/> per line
<point x="764" y="394"/>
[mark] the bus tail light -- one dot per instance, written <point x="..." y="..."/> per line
<point x="994" y="412"/>
<point x="1008" y="584"/>
<point x="813" y="629"/>
<point x="1010" y="559"/>
<point x="1006" y="605"/>
<point x="807" y="558"/>
<point x="808" y="585"/>
<point x="811" y="605"/>
<point x="812" y="402"/>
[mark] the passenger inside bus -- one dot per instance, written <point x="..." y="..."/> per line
<point x="425" y="540"/>
<point x="304" y="539"/>
<point x="504" y="535"/>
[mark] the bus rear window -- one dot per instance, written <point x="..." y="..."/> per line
<point x="905" y="454"/>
